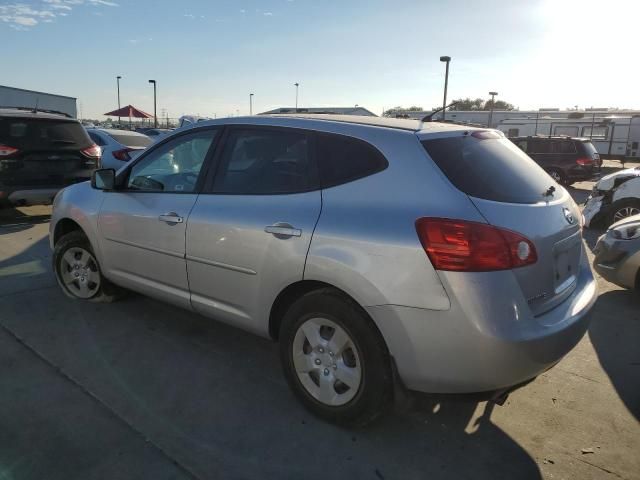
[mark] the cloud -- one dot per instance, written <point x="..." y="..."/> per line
<point x="23" y="16"/>
<point x="268" y="14"/>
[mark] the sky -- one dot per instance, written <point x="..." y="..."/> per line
<point x="208" y="55"/>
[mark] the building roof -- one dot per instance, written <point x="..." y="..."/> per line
<point x="39" y="93"/>
<point x="324" y="110"/>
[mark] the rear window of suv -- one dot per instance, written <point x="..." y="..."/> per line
<point x="131" y="140"/>
<point x="486" y="166"/>
<point x="33" y="134"/>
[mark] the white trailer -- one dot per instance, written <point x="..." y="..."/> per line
<point x="20" y="98"/>
<point x="613" y="136"/>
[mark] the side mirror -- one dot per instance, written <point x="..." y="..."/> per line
<point x="103" y="179"/>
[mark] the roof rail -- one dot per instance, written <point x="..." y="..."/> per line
<point x="36" y="110"/>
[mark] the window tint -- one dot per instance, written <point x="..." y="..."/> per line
<point x="260" y="161"/>
<point x="539" y="146"/>
<point x="131" y="140"/>
<point x="174" y="166"/>
<point x="513" y="132"/>
<point x="32" y="134"/>
<point x="489" y="168"/>
<point x="522" y="145"/>
<point x="343" y="159"/>
<point x="563" y="147"/>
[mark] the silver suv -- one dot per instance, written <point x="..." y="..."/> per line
<point x="377" y="252"/>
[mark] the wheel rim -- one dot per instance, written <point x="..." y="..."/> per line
<point x="625" y="212"/>
<point x="556" y="176"/>
<point x="79" y="272"/>
<point x="327" y="362"/>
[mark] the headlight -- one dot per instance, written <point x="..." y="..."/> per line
<point x="628" y="231"/>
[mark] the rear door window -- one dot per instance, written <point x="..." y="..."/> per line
<point x="342" y="159"/>
<point x="489" y="167"/>
<point x="563" y="147"/>
<point x="266" y="161"/>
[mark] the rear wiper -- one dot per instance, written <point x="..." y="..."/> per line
<point x="549" y="191"/>
<point x="66" y="142"/>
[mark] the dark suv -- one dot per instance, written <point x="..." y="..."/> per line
<point x="40" y="153"/>
<point x="566" y="159"/>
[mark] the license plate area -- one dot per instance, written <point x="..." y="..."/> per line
<point x="566" y="255"/>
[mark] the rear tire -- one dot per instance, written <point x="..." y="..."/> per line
<point x="335" y="360"/>
<point x="622" y="209"/>
<point x="78" y="272"/>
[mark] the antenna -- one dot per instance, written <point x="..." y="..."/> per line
<point x="429" y="117"/>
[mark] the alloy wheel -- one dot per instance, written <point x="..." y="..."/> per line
<point x="625" y="212"/>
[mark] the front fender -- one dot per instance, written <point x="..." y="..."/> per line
<point x="628" y="189"/>
<point x="81" y="204"/>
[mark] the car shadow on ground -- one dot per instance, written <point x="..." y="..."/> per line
<point x="213" y="397"/>
<point x="615" y="336"/>
<point x="13" y="220"/>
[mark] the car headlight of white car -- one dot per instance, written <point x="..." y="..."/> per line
<point x="627" y="231"/>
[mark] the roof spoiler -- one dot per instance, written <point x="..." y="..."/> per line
<point x="429" y="118"/>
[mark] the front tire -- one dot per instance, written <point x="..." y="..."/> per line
<point x="78" y="272"/>
<point x="335" y="360"/>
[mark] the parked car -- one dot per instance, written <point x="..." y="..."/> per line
<point x="614" y="197"/>
<point x="618" y="253"/>
<point x="40" y="153"/>
<point x="566" y="159"/>
<point x="371" y="249"/>
<point x="156" y="133"/>
<point x="118" y="146"/>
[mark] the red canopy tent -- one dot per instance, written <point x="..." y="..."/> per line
<point x="128" y="111"/>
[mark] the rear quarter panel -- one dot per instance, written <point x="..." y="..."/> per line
<point x="366" y="243"/>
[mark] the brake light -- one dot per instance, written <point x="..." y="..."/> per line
<point x="584" y="161"/>
<point x="6" y="150"/>
<point x="123" y="154"/>
<point x="94" y="151"/>
<point x="463" y="246"/>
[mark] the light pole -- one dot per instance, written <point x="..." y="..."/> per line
<point x="118" y="83"/>
<point x="446" y="84"/>
<point x="493" y="102"/>
<point x="297" y="85"/>
<point x="251" y="104"/>
<point x="155" y="105"/>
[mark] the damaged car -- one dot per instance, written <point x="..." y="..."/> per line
<point x="614" y="198"/>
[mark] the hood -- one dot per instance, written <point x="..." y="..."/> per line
<point x="614" y="179"/>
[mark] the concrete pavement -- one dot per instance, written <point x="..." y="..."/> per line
<point x="139" y="389"/>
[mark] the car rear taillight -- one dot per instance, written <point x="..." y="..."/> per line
<point x="463" y="246"/>
<point x="94" y="151"/>
<point x="123" y="154"/>
<point x="6" y="150"/>
<point x="584" y="161"/>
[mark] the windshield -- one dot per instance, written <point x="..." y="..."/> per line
<point x="489" y="168"/>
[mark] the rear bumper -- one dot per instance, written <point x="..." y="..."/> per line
<point x="488" y="340"/>
<point x="30" y="195"/>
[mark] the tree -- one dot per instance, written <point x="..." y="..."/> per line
<point x="480" y="104"/>
<point x="400" y="110"/>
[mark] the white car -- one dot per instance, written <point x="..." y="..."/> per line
<point x="614" y="197"/>
<point x="118" y="146"/>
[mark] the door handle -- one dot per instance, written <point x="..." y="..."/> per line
<point x="283" y="230"/>
<point x="171" y="217"/>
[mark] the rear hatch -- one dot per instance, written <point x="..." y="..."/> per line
<point x="591" y="152"/>
<point x="44" y="151"/>
<point x="512" y="192"/>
